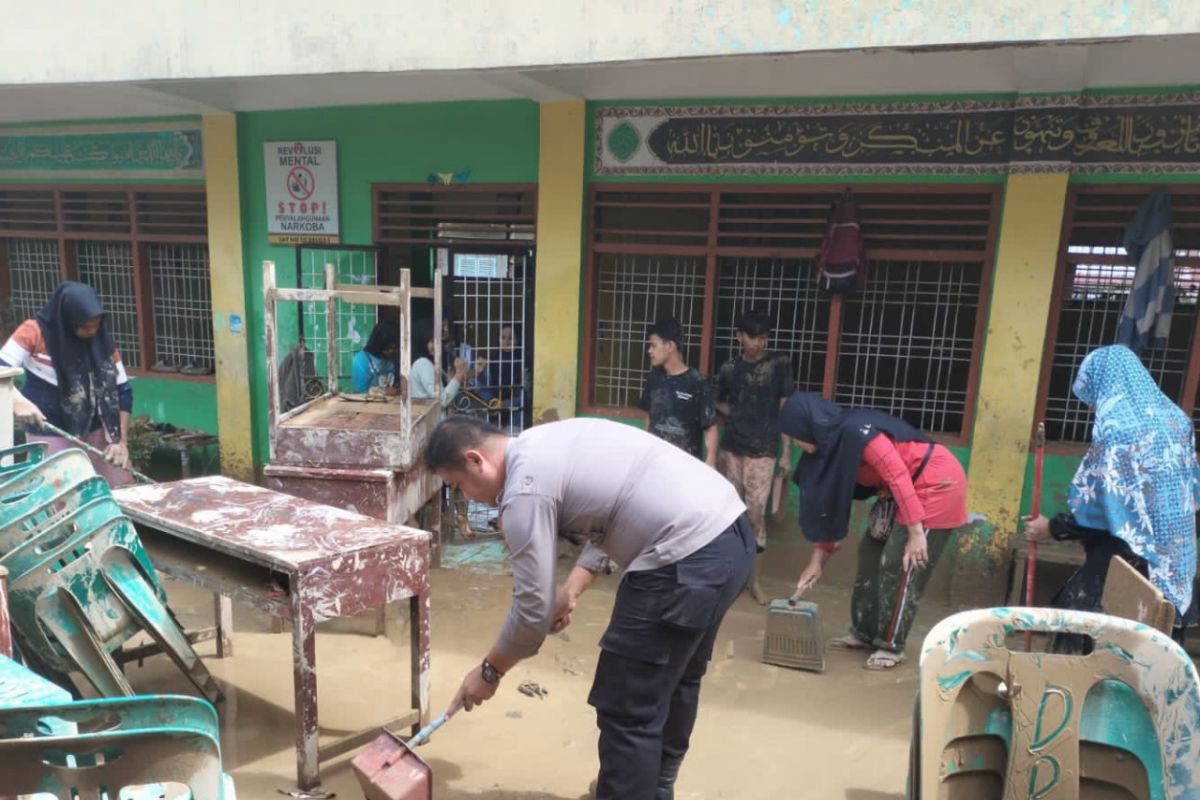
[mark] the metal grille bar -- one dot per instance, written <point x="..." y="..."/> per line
<point x="907" y="342"/>
<point x="108" y="268"/>
<point x="785" y="290"/>
<point x="34" y="267"/>
<point x="633" y="291"/>
<point x="183" y="333"/>
<point x="489" y="297"/>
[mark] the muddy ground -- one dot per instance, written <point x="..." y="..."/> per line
<point x="763" y="732"/>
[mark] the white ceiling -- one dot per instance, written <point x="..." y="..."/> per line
<point x="1036" y="68"/>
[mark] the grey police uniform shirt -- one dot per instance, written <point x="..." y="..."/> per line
<point x="637" y="500"/>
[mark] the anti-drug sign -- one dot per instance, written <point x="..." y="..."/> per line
<point x="302" y="192"/>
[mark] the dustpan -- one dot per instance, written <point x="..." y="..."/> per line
<point x="794" y="635"/>
<point x="390" y="769"/>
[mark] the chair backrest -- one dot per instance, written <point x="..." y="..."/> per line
<point x="121" y="742"/>
<point x="996" y="722"/>
<point x="61" y="469"/>
<point x="54" y="541"/>
<point x="21" y="513"/>
<point x="17" y="459"/>
<point x="1130" y="595"/>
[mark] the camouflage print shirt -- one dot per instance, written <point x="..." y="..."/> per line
<point x="753" y="392"/>
<point x="680" y="408"/>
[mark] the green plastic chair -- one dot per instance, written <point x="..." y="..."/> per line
<point x="122" y="747"/>
<point x="22" y="513"/>
<point x="59" y="469"/>
<point x="87" y="505"/>
<point x="994" y="721"/>
<point x="78" y="593"/>
<point x="14" y="460"/>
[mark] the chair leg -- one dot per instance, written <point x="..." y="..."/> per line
<point x="139" y="597"/>
<point x="59" y="611"/>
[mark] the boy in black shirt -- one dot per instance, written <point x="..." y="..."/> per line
<point x="751" y="388"/>
<point x="677" y="399"/>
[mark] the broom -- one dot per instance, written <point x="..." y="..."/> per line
<point x="1035" y="510"/>
<point x="94" y="451"/>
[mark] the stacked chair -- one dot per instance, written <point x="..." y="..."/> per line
<point x="995" y="721"/>
<point x="79" y="585"/>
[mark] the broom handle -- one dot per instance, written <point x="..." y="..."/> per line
<point x="1035" y="510"/>
<point x="81" y="443"/>
<point x="424" y="734"/>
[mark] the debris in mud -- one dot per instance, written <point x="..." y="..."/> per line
<point x="514" y="714"/>
<point x="533" y="689"/>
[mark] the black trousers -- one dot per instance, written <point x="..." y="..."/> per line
<point x="657" y="647"/>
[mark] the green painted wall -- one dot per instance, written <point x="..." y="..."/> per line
<point x="496" y="140"/>
<point x="184" y="404"/>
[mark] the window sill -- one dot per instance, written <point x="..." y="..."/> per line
<point x="170" y="376"/>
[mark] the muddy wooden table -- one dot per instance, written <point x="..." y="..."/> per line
<point x="295" y="560"/>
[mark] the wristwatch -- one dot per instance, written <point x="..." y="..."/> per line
<point x="490" y="674"/>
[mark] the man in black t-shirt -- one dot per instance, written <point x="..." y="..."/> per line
<point x="751" y="388"/>
<point x="677" y="399"/>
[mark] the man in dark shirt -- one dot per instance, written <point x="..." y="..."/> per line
<point x="676" y="398"/>
<point x="751" y="388"/>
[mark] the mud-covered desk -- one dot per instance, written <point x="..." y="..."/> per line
<point x="295" y="560"/>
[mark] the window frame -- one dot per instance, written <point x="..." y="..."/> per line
<point x="711" y="251"/>
<point x="1191" y="375"/>
<point x="138" y="239"/>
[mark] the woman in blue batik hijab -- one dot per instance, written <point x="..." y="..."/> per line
<point x="1136" y="492"/>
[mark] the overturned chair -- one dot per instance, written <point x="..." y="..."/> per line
<point x="993" y="721"/>
<point x="81" y="584"/>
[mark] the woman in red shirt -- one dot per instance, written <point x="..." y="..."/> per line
<point x="853" y="454"/>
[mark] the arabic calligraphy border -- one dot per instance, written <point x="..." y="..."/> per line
<point x="1058" y="101"/>
<point x="901" y="107"/>
<point x="192" y="136"/>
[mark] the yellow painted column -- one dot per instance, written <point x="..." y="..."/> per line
<point x="559" y="263"/>
<point x="228" y="294"/>
<point x="1026" y="258"/>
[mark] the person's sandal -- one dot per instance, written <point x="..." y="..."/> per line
<point x="882" y="660"/>
<point x="848" y="642"/>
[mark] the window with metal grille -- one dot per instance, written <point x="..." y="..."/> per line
<point x="906" y="344"/>
<point x="108" y="268"/>
<point x="182" y="307"/>
<point x="1093" y="282"/>
<point x="482" y="237"/>
<point x="144" y="250"/>
<point x="632" y="291"/>
<point x="908" y="341"/>
<point x="786" y="290"/>
<point x="34" y="270"/>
